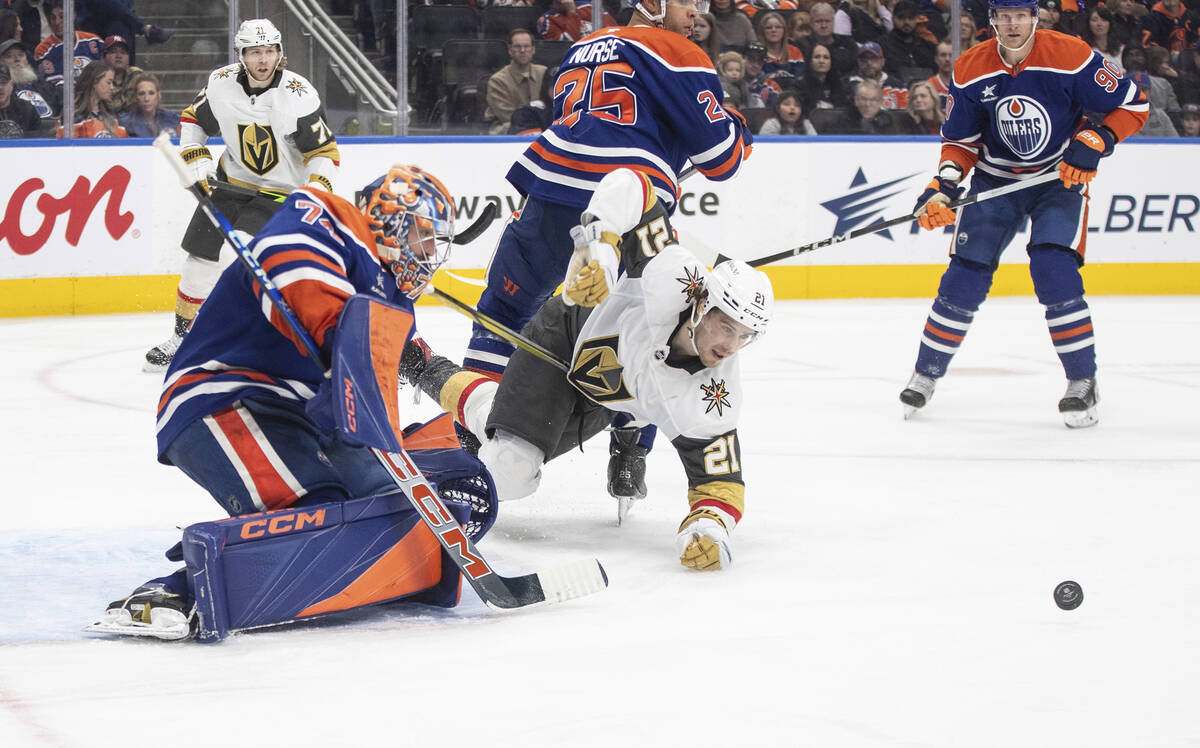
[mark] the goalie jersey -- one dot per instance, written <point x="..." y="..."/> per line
<point x="636" y="97"/>
<point x="1017" y="123"/>
<point x="317" y="250"/>
<point x="275" y="138"/>
<point x="623" y="361"/>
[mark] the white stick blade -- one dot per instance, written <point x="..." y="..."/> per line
<point x="576" y="579"/>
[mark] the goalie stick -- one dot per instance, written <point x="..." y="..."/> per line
<point x="565" y="582"/>
<point x="466" y="236"/>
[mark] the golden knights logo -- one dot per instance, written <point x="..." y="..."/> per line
<point x="716" y="396"/>
<point x="260" y="151"/>
<point x="597" y="372"/>
<point x="693" y="284"/>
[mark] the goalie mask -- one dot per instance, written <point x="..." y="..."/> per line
<point x="258" y="32"/>
<point x="743" y="294"/>
<point x="411" y="215"/>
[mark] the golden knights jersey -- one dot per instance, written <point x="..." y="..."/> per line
<point x="275" y="138"/>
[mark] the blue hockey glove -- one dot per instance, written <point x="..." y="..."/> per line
<point x="1083" y="154"/>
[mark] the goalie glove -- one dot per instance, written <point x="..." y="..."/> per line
<point x="932" y="210"/>
<point x="1083" y="155"/>
<point x="592" y="272"/>
<point x="703" y="541"/>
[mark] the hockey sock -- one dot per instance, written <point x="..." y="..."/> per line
<point x="196" y="281"/>
<point x="963" y="288"/>
<point x="487" y="353"/>
<point x="1070" y="326"/>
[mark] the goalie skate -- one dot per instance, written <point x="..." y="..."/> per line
<point x="917" y="393"/>
<point x="1078" y="404"/>
<point x="152" y="610"/>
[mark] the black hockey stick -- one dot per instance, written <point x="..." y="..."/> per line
<point x="839" y="238"/>
<point x="561" y="583"/>
<point x="499" y="328"/>
<point x="480" y="225"/>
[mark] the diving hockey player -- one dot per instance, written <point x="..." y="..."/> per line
<point x="659" y="344"/>
<point x="642" y="97"/>
<point x="1016" y="110"/>
<point x="239" y="408"/>
<point x="276" y="139"/>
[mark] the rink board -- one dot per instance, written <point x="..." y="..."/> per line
<point x="95" y="228"/>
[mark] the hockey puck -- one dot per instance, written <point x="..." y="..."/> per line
<point x="1068" y="595"/>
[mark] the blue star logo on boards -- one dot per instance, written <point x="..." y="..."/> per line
<point x="864" y="204"/>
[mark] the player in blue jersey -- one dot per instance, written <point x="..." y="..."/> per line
<point x="1016" y="110"/>
<point x="642" y="97"/>
<point x="239" y="411"/>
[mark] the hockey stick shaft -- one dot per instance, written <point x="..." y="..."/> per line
<point x="500" y="329"/>
<point x="574" y="580"/>
<point x="876" y="227"/>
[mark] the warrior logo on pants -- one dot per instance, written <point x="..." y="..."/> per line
<point x="260" y="152"/>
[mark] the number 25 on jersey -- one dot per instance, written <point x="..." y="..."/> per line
<point x="596" y="91"/>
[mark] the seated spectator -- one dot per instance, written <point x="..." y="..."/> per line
<point x="1051" y="16"/>
<point x="799" y="27"/>
<point x="46" y="99"/>
<point x="863" y="20"/>
<point x="1159" y="124"/>
<point x="944" y="59"/>
<point x="1187" y="84"/>
<point x="968" y="33"/>
<point x="1170" y="25"/>
<point x="789" y="118"/>
<point x="568" y="21"/>
<point x="904" y="49"/>
<point x="10" y="25"/>
<point x="94" y="117"/>
<point x="146" y="118"/>
<point x="538" y="114"/>
<point x="731" y="69"/>
<point x="49" y="53"/>
<point x="783" y="57"/>
<point x="106" y="18"/>
<point x="734" y="30"/>
<point x="1158" y="63"/>
<point x="704" y="34"/>
<point x="930" y="23"/>
<point x="18" y="118"/>
<point x="1189" y="121"/>
<point x="515" y="85"/>
<point x="867" y="116"/>
<point x="820" y="87"/>
<point x="1126" y="21"/>
<point x="116" y="54"/>
<point x="764" y="90"/>
<point x="751" y="7"/>
<point x="1097" y="31"/>
<point x="870" y="67"/>
<point x="842" y="49"/>
<point x="925" y="115"/>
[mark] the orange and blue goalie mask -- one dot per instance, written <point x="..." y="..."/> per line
<point x="411" y="215"/>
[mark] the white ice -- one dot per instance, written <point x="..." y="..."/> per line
<point x="891" y="585"/>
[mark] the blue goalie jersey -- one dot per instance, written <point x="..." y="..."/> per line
<point x="631" y="97"/>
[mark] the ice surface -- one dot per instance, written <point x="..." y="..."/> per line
<point x="892" y="580"/>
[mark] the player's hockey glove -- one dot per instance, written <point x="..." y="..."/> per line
<point x="200" y="161"/>
<point x="703" y="542"/>
<point x="932" y="209"/>
<point x="592" y="272"/>
<point x="1083" y="155"/>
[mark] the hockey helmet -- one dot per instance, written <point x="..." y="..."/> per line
<point x="742" y="293"/>
<point x="995" y="5"/>
<point x="411" y="215"/>
<point x="657" y="18"/>
<point x="258" y="32"/>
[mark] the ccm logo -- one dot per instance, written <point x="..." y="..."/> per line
<point x="348" y="396"/>
<point x="284" y="523"/>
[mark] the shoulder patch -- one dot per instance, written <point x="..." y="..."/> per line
<point x="716" y="396"/>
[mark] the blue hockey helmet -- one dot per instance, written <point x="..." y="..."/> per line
<point x="411" y="215"/>
<point x="995" y="5"/>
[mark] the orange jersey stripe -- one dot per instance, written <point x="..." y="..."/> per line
<point x="301" y="255"/>
<point x="201" y="375"/>
<point x="1072" y="332"/>
<point x="674" y="49"/>
<point x="571" y="163"/>
<point x="730" y="163"/>
<point x="1051" y="49"/>
<point x="272" y="488"/>
<point x="943" y="334"/>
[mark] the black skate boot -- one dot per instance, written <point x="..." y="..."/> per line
<point x="159" y="357"/>
<point x="1078" y="404"/>
<point x="917" y="393"/>
<point x="413" y="360"/>
<point x="151" y="610"/>
<point x="626" y="470"/>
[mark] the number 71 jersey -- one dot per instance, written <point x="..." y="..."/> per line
<point x="631" y="97"/>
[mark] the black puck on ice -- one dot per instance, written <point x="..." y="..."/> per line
<point x="1068" y="595"/>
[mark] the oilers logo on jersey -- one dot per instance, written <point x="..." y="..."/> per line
<point x="1023" y="124"/>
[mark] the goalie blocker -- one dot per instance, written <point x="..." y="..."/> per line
<point x="288" y="565"/>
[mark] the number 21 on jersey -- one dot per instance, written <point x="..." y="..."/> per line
<point x="596" y="91"/>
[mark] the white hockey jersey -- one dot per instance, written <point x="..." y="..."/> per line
<point x="275" y="138"/>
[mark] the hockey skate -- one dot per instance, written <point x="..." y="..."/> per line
<point x="626" y="470"/>
<point x="917" y="393"/>
<point x="1078" y="404"/>
<point x="159" y="357"/>
<point x="151" y="610"/>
